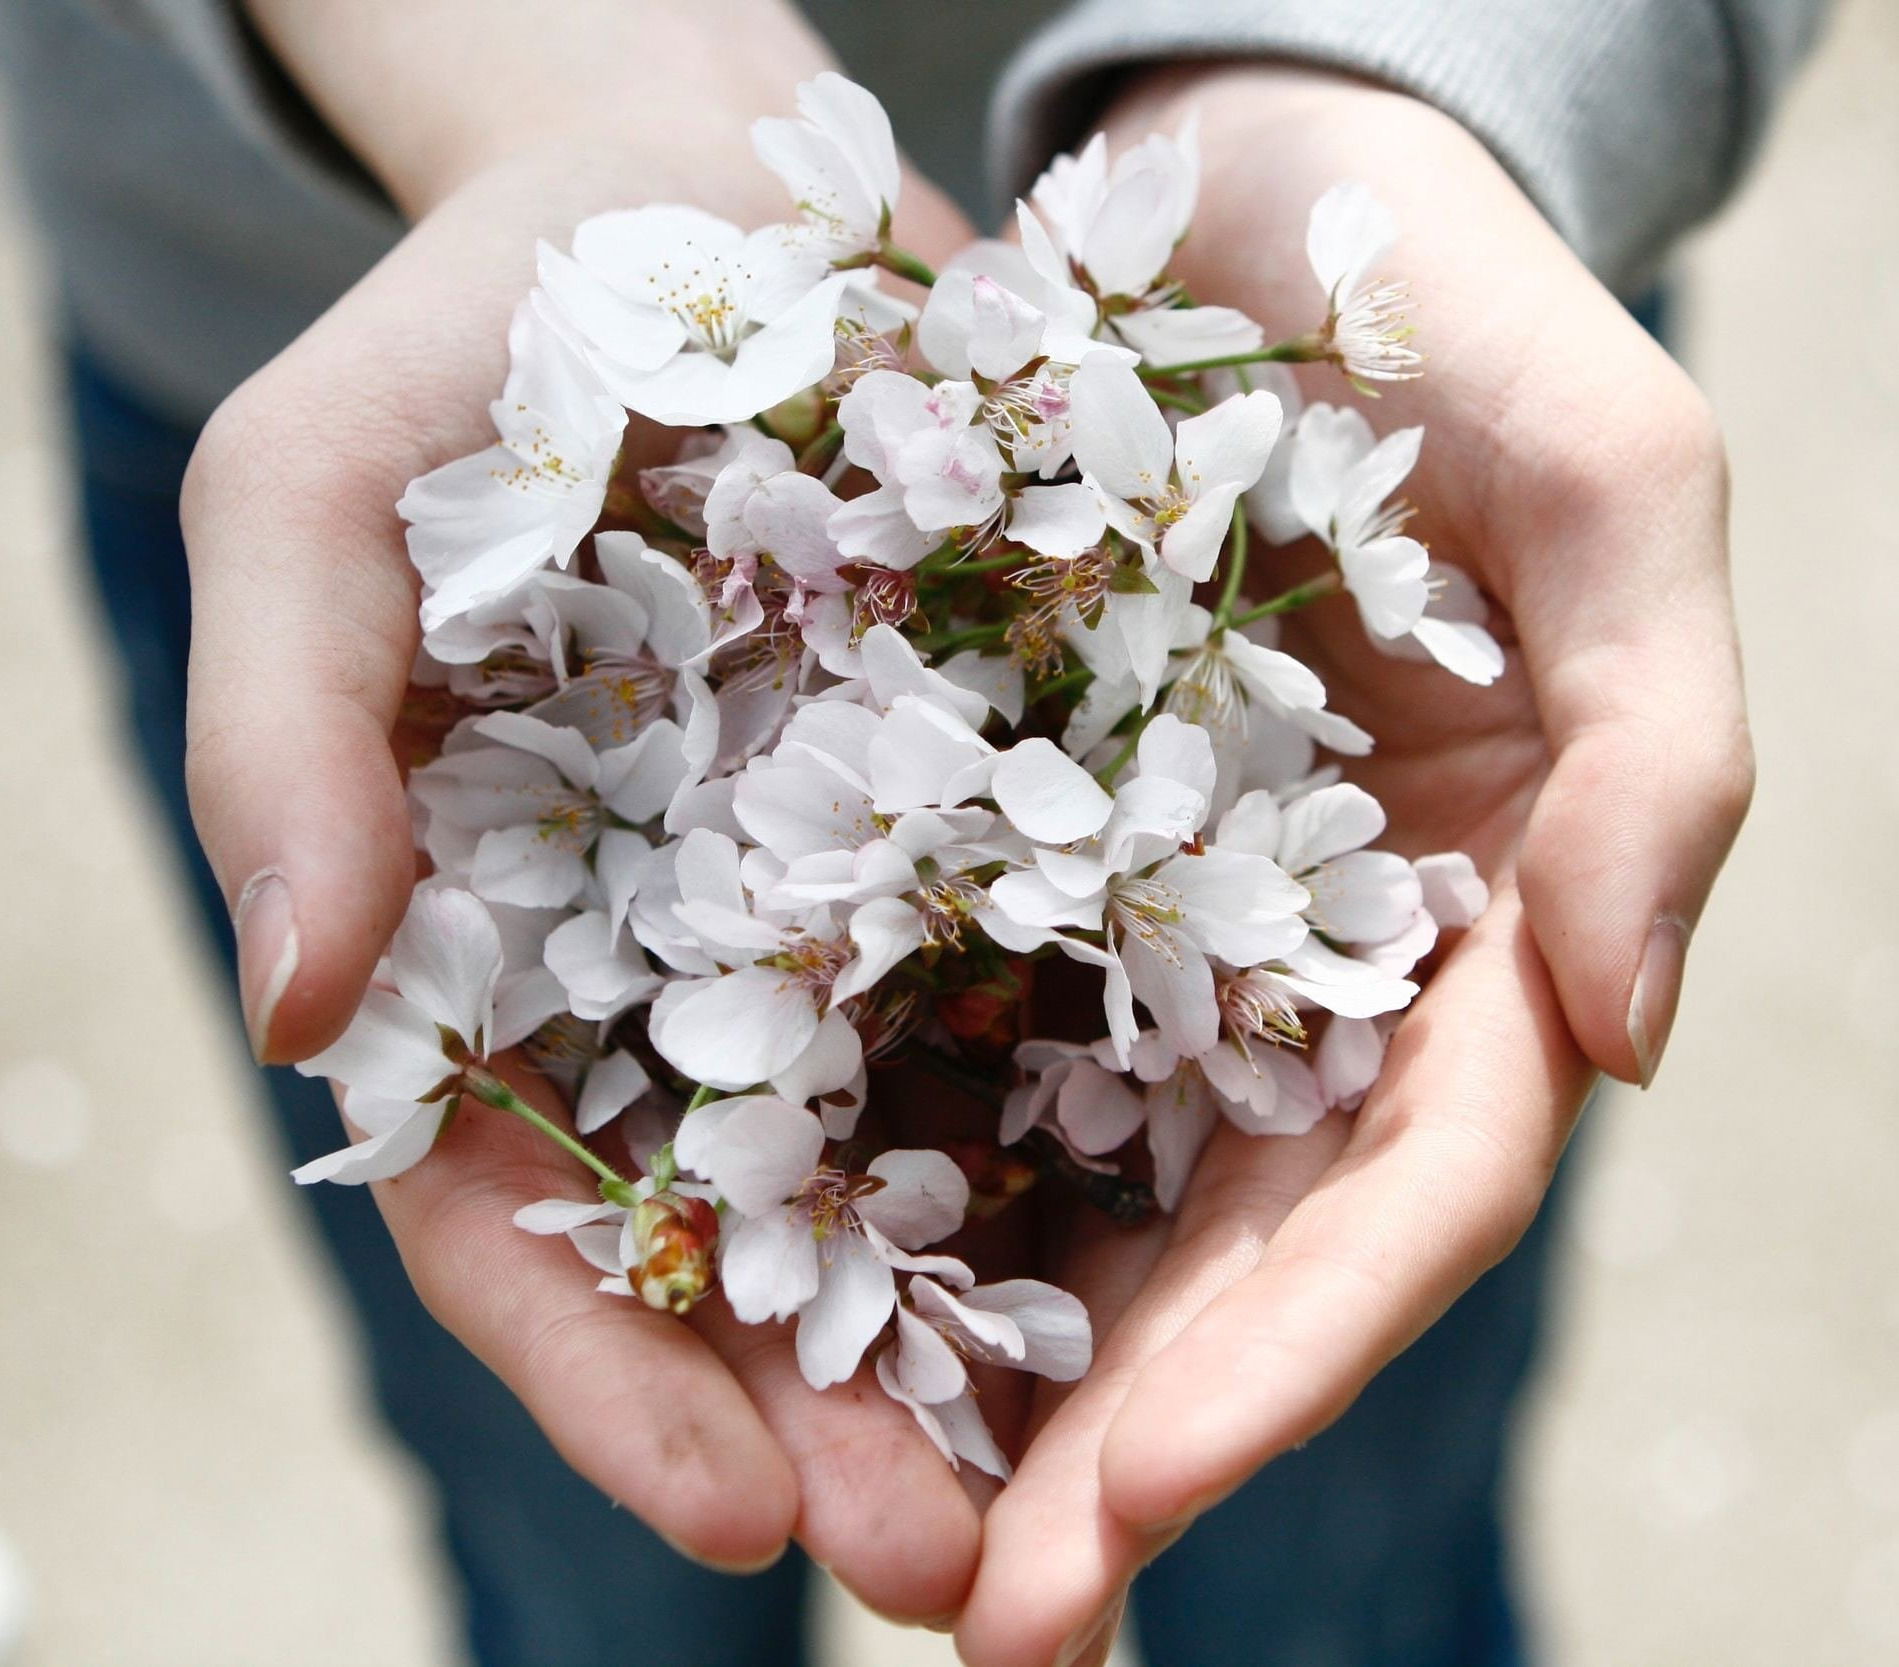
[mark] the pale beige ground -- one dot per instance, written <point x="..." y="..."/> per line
<point x="185" y="1466"/>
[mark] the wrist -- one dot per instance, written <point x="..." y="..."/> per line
<point x="432" y="95"/>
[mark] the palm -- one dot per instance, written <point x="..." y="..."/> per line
<point x="1295" y="1268"/>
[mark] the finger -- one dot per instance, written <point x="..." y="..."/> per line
<point x="1056" y="1561"/>
<point x="1628" y="632"/>
<point x="636" y="1402"/>
<point x="879" y="1508"/>
<point x="1446" y="1166"/>
<point x="303" y="609"/>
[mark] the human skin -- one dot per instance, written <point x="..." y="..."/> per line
<point x="1571" y="467"/>
<point x="490" y="135"/>
<point x="1568" y="465"/>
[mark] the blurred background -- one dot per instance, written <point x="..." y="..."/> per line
<point x="189" y="1477"/>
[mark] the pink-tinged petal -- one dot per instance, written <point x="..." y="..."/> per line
<point x="381" y="1156"/>
<point x="788" y="516"/>
<point x="1326" y="823"/>
<point x="1454" y="891"/>
<point x="446" y="958"/>
<point x="893" y="668"/>
<point x="1005" y="330"/>
<point x="796" y="811"/>
<point x="769" y="1266"/>
<point x="1057" y="1338"/>
<point x="884" y="930"/>
<point x="1328" y="443"/>
<point x="951" y="479"/>
<point x="1349" y="230"/>
<point x="528" y="868"/>
<point x="1122" y="441"/>
<point x="602" y="971"/>
<point x="1468" y="651"/>
<point x="924" y="1197"/>
<point x="566" y="749"/>
<point x="756" y="1150"/>
<point x="1191" y="546"/>
<point x="1057" y="520"/>
<point x="1281" y="682"/>
<point x="1347" y="1061"/>
<point x="1344" y="984"/>
<point x="615" y="1081"/>
<point x="1178" y="750"/>
<point x="1185" y="335"/>
<point x="1229" y="445"/>
<point x="854" y="119"/>
<point x="1386" y="579"/>
<point x="627" y="336"/>
<point x="1364" y="897"/>
<point x="1047" y="795"/>
<point x="1243" y="909"/>
<point x="1252" y="825"/>
<point x="855" y="1295"/>
<point x="1132" y="234"/>
<point x="1180" y="1116"/>
<point x="963" y="1427"/>
<point x="734" y="1031"/>
<point x="1176" y="986"/>
<point x="829" y="1064"/>
<point x="1097" y="1110"/>
<point x="927" y="1367"/>
<point x="1374" y="478"/>
<point x="561" y="1215"/>
<point x="392" y="1049"/>
<point x="989" y="1336"/>
<point x="876" y="528"/>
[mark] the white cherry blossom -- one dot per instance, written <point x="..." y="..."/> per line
<point x="839" y="162"/>
<point x="482" y="524"/>
<point x="689" y="320"/>
<point x="1348" y="234"/>
<point x="807" y="1237"/>
<point x="1171" y="492"/>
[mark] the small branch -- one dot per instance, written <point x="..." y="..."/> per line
<point x="1300" y="350"/>
<point x="492" y="1091"/>
<point x="1287" y="601"/>
<point x="1235" y="572"/>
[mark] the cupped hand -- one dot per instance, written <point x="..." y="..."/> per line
<point x="1571" y="468"/>
<point x="304" y="631"/>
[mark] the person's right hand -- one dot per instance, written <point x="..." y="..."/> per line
<point x="304" y="609"/>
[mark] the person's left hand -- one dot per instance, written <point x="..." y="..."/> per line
<point x="1574" y="472"/>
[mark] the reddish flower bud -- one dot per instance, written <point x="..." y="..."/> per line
<point x="675" y="1236"/>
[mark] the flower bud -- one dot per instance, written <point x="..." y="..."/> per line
<point x="674" y="1237"/>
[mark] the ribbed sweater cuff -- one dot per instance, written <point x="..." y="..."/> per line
<point x="1625" y="120"/>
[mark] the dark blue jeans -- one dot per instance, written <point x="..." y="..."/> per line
<point x="1377" y="1545"/>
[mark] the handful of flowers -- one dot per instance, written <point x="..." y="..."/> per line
<point x="924" y="678"/>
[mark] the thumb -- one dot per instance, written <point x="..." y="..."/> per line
<point x="1628" y="632"/>
<point x="302" y="638"/>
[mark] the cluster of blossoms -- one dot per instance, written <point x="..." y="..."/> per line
<point x="924" y="670"/>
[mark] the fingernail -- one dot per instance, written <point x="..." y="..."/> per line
<point x="266" y="951"/>
<point x="1657" y="992"/>
<point x="1091" y="1644"/>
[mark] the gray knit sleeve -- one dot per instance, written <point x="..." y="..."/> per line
<point x="216" y="40"/>
<point x="1627" y="121"/>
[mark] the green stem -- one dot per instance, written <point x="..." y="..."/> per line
<point x="703" y="1095"/>
<point x="1121" y="759"/>
<point x="901" y="263"/>
<point x="1300" y="350"/>
<point x="1180" y="402"/>
<point x="1235" y="571"/>
<point x="492" y="1091"/>
<point x="988" y="564"/>
<point x="1287" y="601"/>
<point x="1079" y="678"/>
<point x="972" y="637"/>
